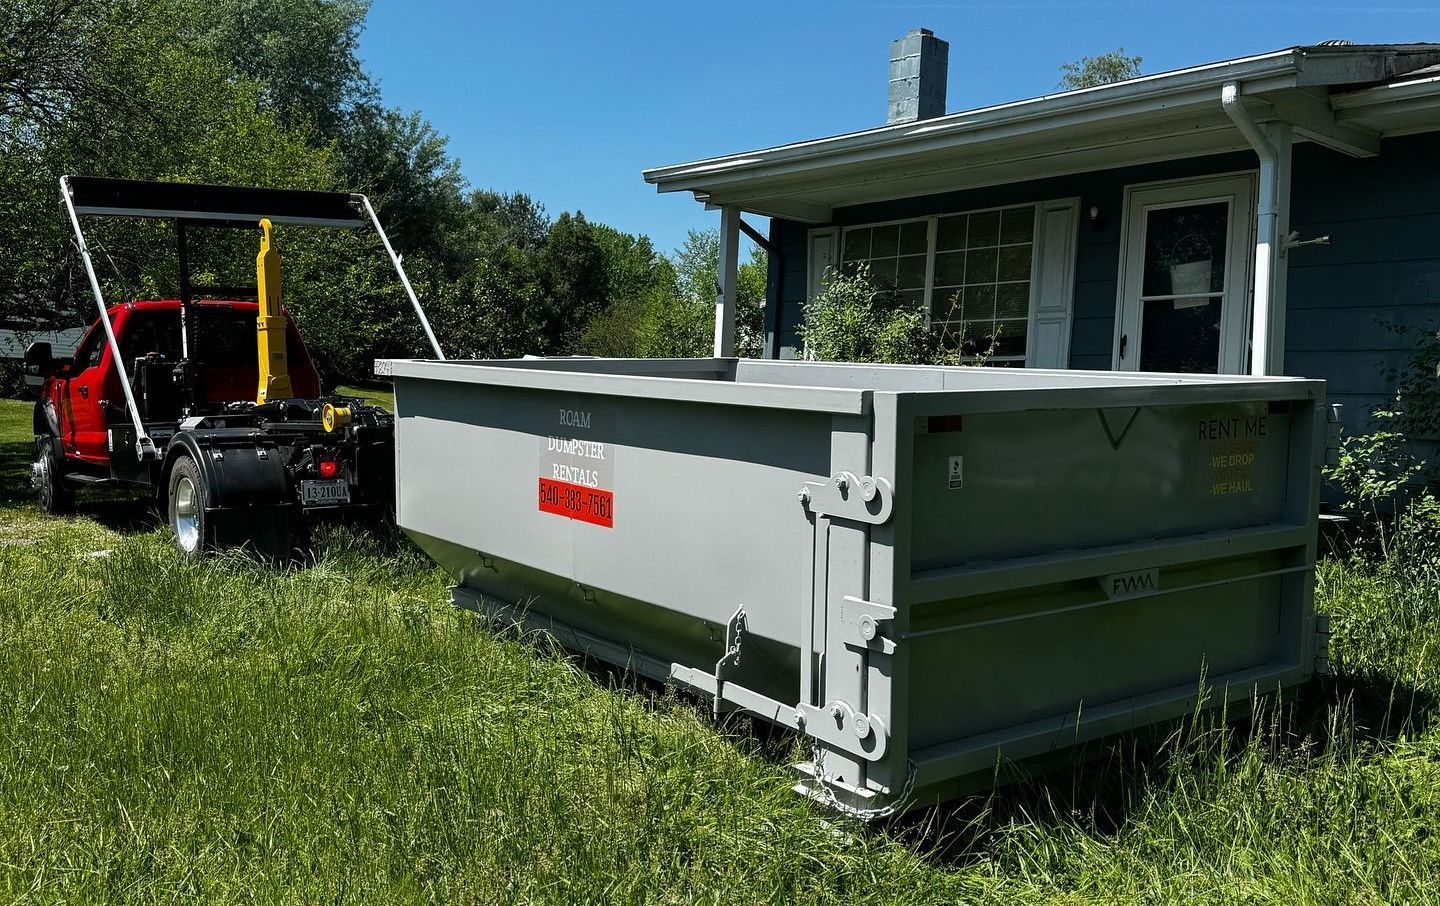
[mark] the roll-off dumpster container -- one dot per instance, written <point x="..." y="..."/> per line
<point x="928" y="571"/>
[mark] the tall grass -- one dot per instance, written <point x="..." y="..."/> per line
<point x="220" y="732"/>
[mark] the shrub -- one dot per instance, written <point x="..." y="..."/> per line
<point x="853" y="319"/>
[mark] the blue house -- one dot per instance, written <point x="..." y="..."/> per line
<point x="1273" y="214"/>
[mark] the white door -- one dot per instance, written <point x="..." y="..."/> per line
<point x="1185" y="277"/>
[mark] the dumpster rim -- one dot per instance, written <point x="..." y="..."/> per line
<point x="829" y="400"/>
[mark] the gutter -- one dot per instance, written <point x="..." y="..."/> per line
<point x="1267" y="306"/>
<point x="1154" y="92"/>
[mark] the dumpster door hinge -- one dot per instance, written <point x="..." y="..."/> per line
<point x="1322" y="644"/>
<point x="850" y="496"/>
<point x="729" y="661"/>
<point x="1333" y="429"/>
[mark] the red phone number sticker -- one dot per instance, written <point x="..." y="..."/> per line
<point x="575" y="501"/>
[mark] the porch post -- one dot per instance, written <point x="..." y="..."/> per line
<point x="729" y="270"/>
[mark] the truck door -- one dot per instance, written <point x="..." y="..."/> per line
<point x="82" y="419"/>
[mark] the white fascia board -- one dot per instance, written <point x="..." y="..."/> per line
<point x="1158" y="93"/>
<point x="1356" y="105"/>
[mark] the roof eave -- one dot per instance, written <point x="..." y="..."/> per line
<point x="1278" y="68"/>
<point x="1145" y="99"/>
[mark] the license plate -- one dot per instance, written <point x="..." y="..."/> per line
<point x="325" y="493"/>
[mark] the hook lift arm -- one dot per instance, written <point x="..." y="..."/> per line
<point x="221" y="206"/>
<point x="144" y="446"/>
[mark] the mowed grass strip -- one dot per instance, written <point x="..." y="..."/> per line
<point x="221" y="732"/>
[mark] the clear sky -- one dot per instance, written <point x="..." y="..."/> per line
<point x="569" y="101"/>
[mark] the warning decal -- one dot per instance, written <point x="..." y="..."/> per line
<point x="577" y="466"/>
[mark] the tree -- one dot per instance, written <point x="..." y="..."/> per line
<point x="304" y="53"/>
<point x="53" y="54"/>
<point x="404" y="164"/>
<point x="697" y="268"/>
<point x="1087" y="72"/>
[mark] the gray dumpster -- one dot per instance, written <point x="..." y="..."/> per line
<point x="932" y="573"/>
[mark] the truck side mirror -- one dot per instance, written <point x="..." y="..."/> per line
<point x="39" y="359"/>
<point x="41" y="362"/>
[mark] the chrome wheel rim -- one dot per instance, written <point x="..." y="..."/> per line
<point x="40" y="476"/>
<point x="187" y="515"/>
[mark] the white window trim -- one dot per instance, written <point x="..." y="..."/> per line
<point x="1234" y="345"/>
<point x="814" y="282"/>
<point x="932" y="229"/>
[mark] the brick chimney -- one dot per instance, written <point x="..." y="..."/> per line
<point x="919" y="64"/>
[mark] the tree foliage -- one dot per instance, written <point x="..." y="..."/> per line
<point x="1088" y="72"/>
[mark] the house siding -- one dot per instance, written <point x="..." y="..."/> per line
<point x="1097" y="249"/>
<point x="1381" y="270"/>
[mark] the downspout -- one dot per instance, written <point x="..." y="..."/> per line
<point x="1267" y="228"/>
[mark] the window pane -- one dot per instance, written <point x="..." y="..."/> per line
<point x="1017" y="225"/>
<point x="912" y="272"/>
<point x="885" y="241"/>
<point x="857" y="245"/>
<point x="1181" y="336"/>
<point x="950" y="234"/>
<point x="979" y="302"/>
<point x="949" y="268"/>
<point x="914" y="298"/>
<point x="984" y="229"/>
<point x="980" y="266"/>
<point x="1010" y="339"/>
<point x="1185" y="249"/>
<point x="977" y="336"/>
<point x="1012" y="300"/>
<point x="914" y="238"/>
<point x="882" y="271"/>
<point x="945" y="304"/>
<point x="1015" y="262"/>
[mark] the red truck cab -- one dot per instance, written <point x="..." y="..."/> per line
<point x="79" y="401"/>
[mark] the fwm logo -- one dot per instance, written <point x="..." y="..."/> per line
<point x="1138" y="582"/>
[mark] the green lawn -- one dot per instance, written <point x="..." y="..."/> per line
<point x="220" y="732"/>
<point x="375" y="395"/>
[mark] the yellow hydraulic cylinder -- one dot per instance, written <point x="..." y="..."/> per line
<point x="271" y="323"/>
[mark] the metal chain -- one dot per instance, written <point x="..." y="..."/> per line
<point x="863" y="814"/>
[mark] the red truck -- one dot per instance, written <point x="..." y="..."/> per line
<point x="210" y="402"/>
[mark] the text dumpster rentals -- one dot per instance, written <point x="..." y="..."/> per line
<point x="933" y="574"/>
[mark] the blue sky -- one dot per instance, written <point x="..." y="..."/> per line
<point x="569" y="101"/>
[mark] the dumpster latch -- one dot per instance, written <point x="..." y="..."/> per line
<point x="867" y="624"/>
<point x="729" y="661"/>
<point x="850" y="496"/>
<point x="842" y="727"/>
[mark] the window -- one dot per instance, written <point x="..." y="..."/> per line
<point x="982" y="281"/>
<point x="87" y="354"/>
<point x="972" y="271"/>
<point x="895" y="253"/>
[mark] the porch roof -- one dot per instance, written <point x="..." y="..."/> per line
<point x="1343" y="96"/>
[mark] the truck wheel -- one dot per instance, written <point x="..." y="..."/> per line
<point x="186" y="508"/>
<point x="48" y="477"/>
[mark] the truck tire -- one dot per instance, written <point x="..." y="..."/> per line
<point x="47" y="474"/>
<point x="185" y="510"/>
